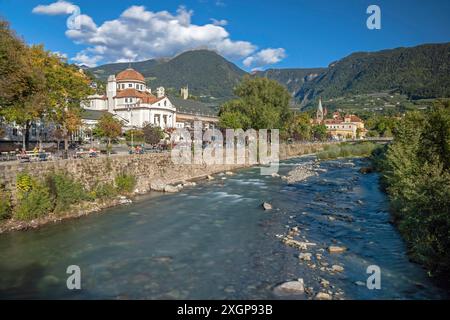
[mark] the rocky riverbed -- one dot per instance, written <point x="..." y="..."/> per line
<point x="215" y="240"/>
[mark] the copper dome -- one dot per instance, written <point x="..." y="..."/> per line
<point x="130" y="75"/>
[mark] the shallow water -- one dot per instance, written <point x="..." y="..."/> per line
<point x="214" y="241"/>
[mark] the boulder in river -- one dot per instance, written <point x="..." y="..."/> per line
<point x="229" y="173"/>
<point x="297" y="244"/>
<point x="275" y="175"/>
<point x="209" y="177"/>
<point x="290" y="288"/>
<point x="267" y="206"/>
<point x="336" y="249"/>
<point x="157" y="185"/>
<point x="172" y="189"/>
<point x="324" y="283"/>
<point x="337" y="268"/>
<point x="323" y="296"/>
<point x="305" y="256"/>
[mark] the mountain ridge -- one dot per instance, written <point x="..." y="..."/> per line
<point x="418" y="72"/>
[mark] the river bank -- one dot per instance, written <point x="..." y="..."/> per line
<point x="215" y="241"/>
<point x="153" y="172"/>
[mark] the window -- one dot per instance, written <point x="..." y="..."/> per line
<point x="165" y="103"/>
<point x="123" y="86"/>
<point x="130" y="85"/>
<point x="14" y="132"/>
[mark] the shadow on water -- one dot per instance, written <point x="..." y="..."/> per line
<point x="214" y="241"/>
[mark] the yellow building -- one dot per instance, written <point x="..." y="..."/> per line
<point x="338" y="127"/>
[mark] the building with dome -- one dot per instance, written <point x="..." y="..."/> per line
<point x="130" y="100"/>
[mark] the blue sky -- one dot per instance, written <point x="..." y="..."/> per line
<point x="252" y="33"/>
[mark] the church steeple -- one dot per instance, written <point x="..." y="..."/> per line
<point x="319" y="114"/>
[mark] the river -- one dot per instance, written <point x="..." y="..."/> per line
<point x="214" y="241"/>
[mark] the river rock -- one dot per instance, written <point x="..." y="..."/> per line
<point x="267" y="206"/>
<point x="189" y="184"/>
<point x="365" y="170"/>
<point x="297" y="244"/>
<point x="124" y="200"/>
<point x="337" y="268"/>
<point x="209" y="177"/>
<point x="275" y="175"/>
<point x="336" y="249"/>
<point x="290" y="288"/>
<point x="157" y="185"/>
<point x="323" y="296"/>
<point x="172" y="189"/>
<point x="324" y="283"/>
<point x="305" y="256"/>
<point x="300" y="173"/>
<point x="229" y="173"/>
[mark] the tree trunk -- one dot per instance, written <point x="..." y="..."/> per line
<point x="66" y="144"/>
<point x="27" y="135"/>
<point x="109" y="146"/>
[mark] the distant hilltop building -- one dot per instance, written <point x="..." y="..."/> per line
<point x="338" y="127"/>
<point x="133" y="102"/>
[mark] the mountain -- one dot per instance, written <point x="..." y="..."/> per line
<point x="418" y="72"/>
<point x="205" y="72"/>
<point x="293" y="79"/>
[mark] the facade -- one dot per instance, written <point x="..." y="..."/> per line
<point x="130" y="100"/>
<point x="338" y="127"/>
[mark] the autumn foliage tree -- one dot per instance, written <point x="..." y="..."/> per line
<point x="37" y="85"/>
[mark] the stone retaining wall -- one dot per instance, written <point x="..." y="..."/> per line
<point x="146" y="168"/>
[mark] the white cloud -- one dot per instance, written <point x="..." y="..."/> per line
<point x="60" y="54"/>
<point x="265" y="57"/>
<point x="139" y="34"/>
<point x="221" y="22"/>
<point x="57" y="8"/>
<point x="84" y="59"/>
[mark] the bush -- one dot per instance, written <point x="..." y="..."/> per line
<point x="343" y="150"/>
<point x="34" y="203"/>
<point x="125" y="183"/>
<point x="5" y="204"/>
<point x="23" y="182"/>
<point x="415" y="171"/>
<point x="65" y="191"/>
<point x="104" y="191"/>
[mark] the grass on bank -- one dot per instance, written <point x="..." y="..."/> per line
<point x="56" y="193"/>
<point x="344" y="150"/>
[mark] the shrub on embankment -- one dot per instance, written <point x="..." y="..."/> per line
<point x="415" y="171"/>
<point x="56" y="193"/>
<point x="343" y="150"/>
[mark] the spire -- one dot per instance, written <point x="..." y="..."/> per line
<point x="319" y="115"/>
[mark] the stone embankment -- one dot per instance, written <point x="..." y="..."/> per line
<point x="152" y="172"/>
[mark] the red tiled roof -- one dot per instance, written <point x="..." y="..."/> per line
<point x="130" y="74"/>
<point x="133" y="93"/>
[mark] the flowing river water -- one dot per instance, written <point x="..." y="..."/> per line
<point x="214" y="241"/>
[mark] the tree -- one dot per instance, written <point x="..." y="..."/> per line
<point x="319" y="132"/>
<point x="152" y="134"/>
<point x="108" y="127"/>
<point x="37" y="85"/>
<point x="298" y="126"/>
<point x="134" y="135"/>
<point x="262" y="104"/>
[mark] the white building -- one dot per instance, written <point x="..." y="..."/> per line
<point x="129" y="99"/>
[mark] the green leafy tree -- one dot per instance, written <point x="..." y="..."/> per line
<point x="109" y="128"/>
<point x="262" y="104"/>
<point x="319" y="132"/>
<point x="152" y="134"/>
